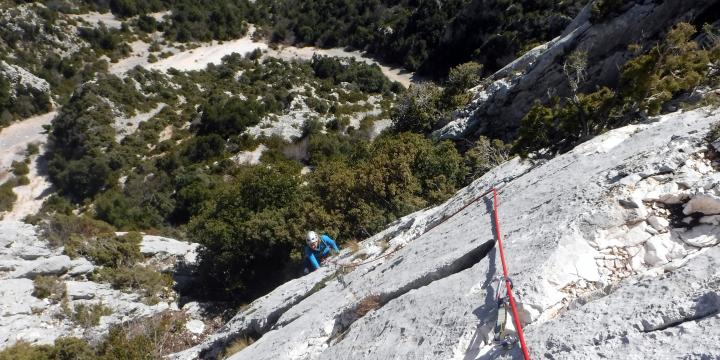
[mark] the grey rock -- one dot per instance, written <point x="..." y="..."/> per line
<point x="702" y="236"/>
<point x="84" y="290"/>
<point x="196" y="327"/>
<point x="80" y="266"/>
<point x="16" y="297"/>
<point x="431" y="304"/>
<point x="158" y="245"/>
<point x="55" y="265"/>
<point x="706" y="204"/>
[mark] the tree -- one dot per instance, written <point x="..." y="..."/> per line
<point x="419" y="109"/>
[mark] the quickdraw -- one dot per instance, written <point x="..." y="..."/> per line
<point x="502" y="338"/>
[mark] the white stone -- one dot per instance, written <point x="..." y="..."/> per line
<point x="702" y="236"/>
<point x="81" y="290"/>
<point x="81" y="266"/>
<point x="196" y="327"/>
<point x="710" y="220"/>
<point x="658" y="223"/>
<point x="705" y="203"/>
<point x="158" y="245"/>
<point x="55" y="265"/>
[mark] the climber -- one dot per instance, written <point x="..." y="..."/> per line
<point x="318" y="248"/>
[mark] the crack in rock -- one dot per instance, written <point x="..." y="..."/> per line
<point x="358" y="310"/>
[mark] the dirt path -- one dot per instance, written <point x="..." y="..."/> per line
<point x="13" y="142"/>
<point x="213" y="52"/>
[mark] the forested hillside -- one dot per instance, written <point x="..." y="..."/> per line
<point x="426" y="35"/>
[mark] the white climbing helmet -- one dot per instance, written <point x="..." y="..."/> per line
<point x="311" y="239"/>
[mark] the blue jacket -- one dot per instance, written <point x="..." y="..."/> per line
<point x="323" y="250"/>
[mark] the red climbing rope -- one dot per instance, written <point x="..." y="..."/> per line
<point x="508" y="286"/>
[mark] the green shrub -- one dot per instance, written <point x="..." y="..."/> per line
<point x="88" y="315"/>
<point x="48" y="287"/>
<point x="484" y="156"/>
<point x="22" y="180"/>
<point x="674" y="67"/>
<point x="113" y="251"/>
<point x="59" y="228"/>
<point x="460" y="79"/>
<point x="20" y="168"/>
<point x="603" y="9"/>
<point x="151" y="283"/>
<point x="7" y="195"/>
<point x="24" y="351"/>
<point x="648" y="83"/>
<point x="419" y="109"/>
<point x="67" y="348"/>
<point x="32" y="149"/>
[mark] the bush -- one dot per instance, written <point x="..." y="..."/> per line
<point x="484" y="156"/>
<point x="24" y="351"/>
<point x="32" y="149"/>
<point x="562" y="125"/>
<point x="151" y="283"/>
<point x="674" y="67"/>
<point x="58" y="229"/>
<point x="419" y="109"/>
<point x="460" y="79"/>
<point x="20" y="168"/>
<point x="603" y="9"/>
<point x="22" y="180"/>
<point x="67" y="348"/>
<point x="112" y="251"/>
<point x="7" y="196"/>
<point x="48" y="287"/>
<point x="88" y="315"/>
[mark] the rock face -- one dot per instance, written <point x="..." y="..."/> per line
<point x="24" y="257"/>
<point x="498" y="107"/>
<point x="602" y="258"/>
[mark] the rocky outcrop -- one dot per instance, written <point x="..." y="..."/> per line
<point x="593" y="237"/>
<point x="24" y="257"/>
<point x="498" y="107"/>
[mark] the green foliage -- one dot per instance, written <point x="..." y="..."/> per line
<point x="19" y="101"/>
<point x="112" y="251"/>
<point x="22" y="180"/>
<point x="7" y="195"/>
<point x="602" y="10"/>
<point x="484" y="156"/>
<point x="460" y="79"/>
<point x="20" y="168"/>
<point x="120" y="345"/>
<point x="105" y="41"/>
<point x="676" y="66"/>
<point x="67" y="348"/>
<point x="562" y="125"/>
<point x="141" y="340"/>
<point x="148" y="281"/>
<point x="59" y="228"/>
<point x="648" y="83"/>
<point x="367" y="78"/>
<point x="24" y="351"/>
<point x="415" y="33"/>
<point x="420" y="109"/>
<point x="88" y="315"/>
<point x="32" y="149"/>
<point x="229" y="116"/>
<point x="48" y="287"/>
